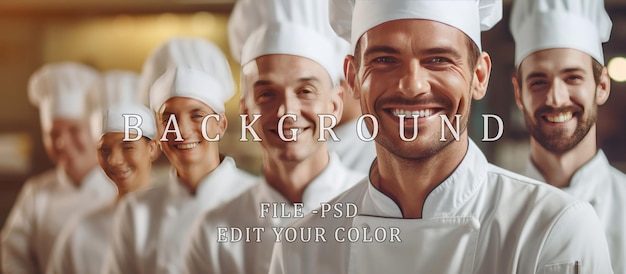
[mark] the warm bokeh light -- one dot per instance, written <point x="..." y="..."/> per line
<point x="124" y="41"/>
<point x="617" y="69"/>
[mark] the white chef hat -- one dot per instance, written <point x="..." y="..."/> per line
<point x="120" y="86"/>
<point x="64" y="90"/>
<point x="115" y="121"/>
<point x="544" y="24"/>
<point x="352" y="18"/>
<point x="188" y="67"/>
<point x="294" y="27"/>
<point x="121" y="97"/>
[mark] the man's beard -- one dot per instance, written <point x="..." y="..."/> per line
<point x="559" y="141"/>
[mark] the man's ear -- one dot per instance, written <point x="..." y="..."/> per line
<point x="222" y="124"/>
<point x="603" y="88"/>
<point x="243" y="109"/>
<point x="349" y="70"/>
<point x="518" y="92"/>
<point x="337" y="100"/>
<point x="482" y="71"/>
<point x="153" y="149"/>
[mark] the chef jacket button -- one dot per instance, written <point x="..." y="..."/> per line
<point x="473" y="225"/>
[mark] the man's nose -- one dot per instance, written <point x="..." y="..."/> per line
<point x="558" y="94"/>
<point x="414" y="81"/>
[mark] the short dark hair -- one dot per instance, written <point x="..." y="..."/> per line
<point x="472" y="50"/>
<point x="596" y="68"/>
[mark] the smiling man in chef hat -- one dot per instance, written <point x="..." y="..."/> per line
<point x="125" y="159"/>
<point x="68" y="106"/>
<point x="455" y="212"/>
<point x="559" y="84"/>
<point x="291" y="65"/>
<point x="191" y="81"/>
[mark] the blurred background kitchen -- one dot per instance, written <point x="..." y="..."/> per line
<point x="119" y="34"/>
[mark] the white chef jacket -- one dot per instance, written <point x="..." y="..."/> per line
<point x="45" y="204"/>
<point x="206" y="255"/>
<point x="481" y="219"/>
<point x="604" y="187"/>
<point x="83" y="243"/>
<point x="355" y="153"/>
<point x="151" y="227"/>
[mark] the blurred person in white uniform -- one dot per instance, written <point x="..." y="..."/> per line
<point x="559" y="83"/>
<point x="434" y="204"/>
<point x="151" y="227"/>
<point x="355" y="152"/>
<point x="68" y="107"/>
<point x="291" y="65"/>
<point x="83" y="244"/>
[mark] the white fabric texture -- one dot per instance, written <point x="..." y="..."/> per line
<point x="206" y="255"/>
<point x="210" y="80"/>
<point x="151" y="227"/>
<point x="355" y="153"/>
<point x="120" y="86"/>
<point x="352" y="18"/>
<point x="83" y="243"/>
<point x="301" y="28"/>
<point x="544" y="24"/>
<point x="120" y="93"/>
<point x="604" y="187"/>
<point x="481" y="219"/>
<point x="66" y="90"/>
<point x="44" y="206"/>
<point x="63" y="90"/>
<point x="137" y="115"/>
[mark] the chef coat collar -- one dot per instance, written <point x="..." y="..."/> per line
<point x="597" y="169"/>
<point x="94" y="182"/>
<point x="445" y="199"/>
<point x="597" y="166"/>
<point x="212" y="187"/>
<point x="321" y="189"/>
<point x="324" y="186"/>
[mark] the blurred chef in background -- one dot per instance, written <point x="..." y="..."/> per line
<point x="84" y="242"/>
<point x="70" y="116"/>
<point x="291" y="65"/>
<point x="193" y="83"/>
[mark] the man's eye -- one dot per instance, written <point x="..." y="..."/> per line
<point x="538" y="83"/>
<point x="128" y="147"/>
<point x="265" y="96"/>
<point x="383" y="59"/>
<point x="574" y="78"/>
<point x="166" y="118"/>
<point x="439" y="60"/>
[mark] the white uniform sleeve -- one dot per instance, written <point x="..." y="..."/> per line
<point x="197" y="257"/>
<point x="60" y="261"/>
<point x="277" y="265"/>
<point x="121" y="258"/>
<point x="575" y="244"/>
<point x="18" y="254"/>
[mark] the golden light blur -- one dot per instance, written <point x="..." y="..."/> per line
<point x="617" y="69"/>
<point x="124" y="41"/>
